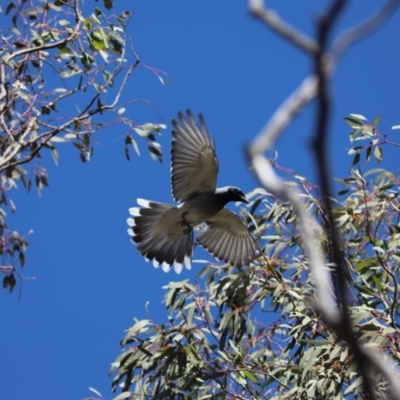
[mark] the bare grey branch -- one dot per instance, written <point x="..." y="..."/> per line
<point x="282" y="28"/>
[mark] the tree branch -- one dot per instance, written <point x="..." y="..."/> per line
<point x="365" y="28"/>
<point x="272" y="20"/>
<point x="284" y="115"/>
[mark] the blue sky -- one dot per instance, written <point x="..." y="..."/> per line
<point x="61" y="337"/>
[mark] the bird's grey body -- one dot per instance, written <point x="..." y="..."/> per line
<point x="164" y="233"/>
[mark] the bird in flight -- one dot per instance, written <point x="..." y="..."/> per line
<point x="164" y="233"/>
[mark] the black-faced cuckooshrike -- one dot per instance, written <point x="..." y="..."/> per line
<point x="164" y="233"/>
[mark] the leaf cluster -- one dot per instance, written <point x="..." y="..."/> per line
<point x="62" y="74"/>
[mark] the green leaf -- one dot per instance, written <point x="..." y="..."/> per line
<point x="359" y="116"/>
<point x="70" y="73"/>
<point x="117" y="44"/>
<point x="190" y="314"/>
<point x="224" y="321"/>
<point x="135" y="146"/>
<point x="354" y="385"/>
<point x="250" y="376"/>
<point x="378" y="153"/>
<point x="108" y="77"/>
<point x="155" y="152"/>
<point x="97" y="41"/>
<point x="123" y="395"/>
<point x="368" y="153"/>
<point x="10" y="7"/>
<point x="316" y="342"/>
<point x="378" y="283"/>
<point x="376" y="121"/>
<point x="139" y="327"/>
<point x="356" y="159"/>
<point x="355" y="149"/>
<point x="87" y="24"/>
<point x="127" y="153"/>
<point x="21" y="258"/>
<point x="108" y="4"/>
<point x="64" y="49"/>
<point x="353" y="121"/>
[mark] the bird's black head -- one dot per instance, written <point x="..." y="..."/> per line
<point x="232" y="193"/>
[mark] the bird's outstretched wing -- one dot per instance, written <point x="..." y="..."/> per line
<point x="194" y="164"/>
<point x="227" y="238"/>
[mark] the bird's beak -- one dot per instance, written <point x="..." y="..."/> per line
<point x="243" y="199"/>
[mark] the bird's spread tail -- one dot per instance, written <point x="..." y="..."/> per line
<point x="152" y="228"/>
